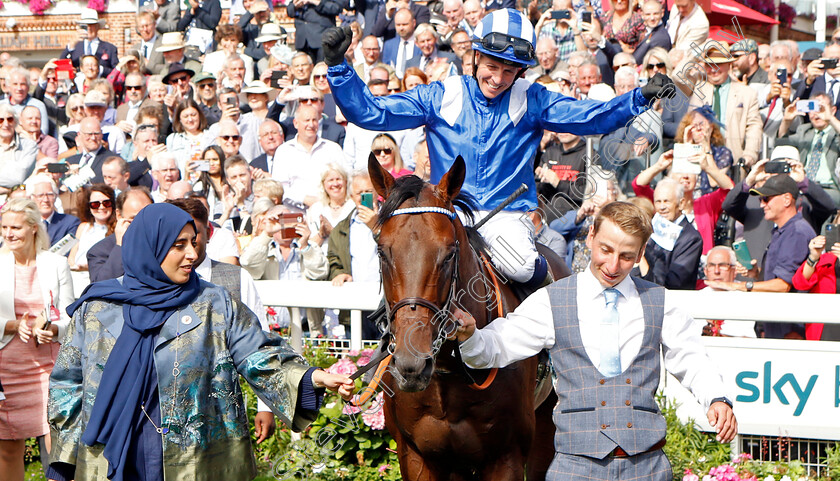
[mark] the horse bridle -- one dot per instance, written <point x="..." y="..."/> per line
<point x="413" y="302"/>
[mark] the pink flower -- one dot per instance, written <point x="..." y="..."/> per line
<point x="689" y="476"/>
<point x="353" y="353"/>
<point x="350" y="409"/>
<point x="383" y="468"/>
<point x="375" y="416"/>
<point x="343" y="366"/>
<point x="362" y="361"/>
<point x="367" y="352"/>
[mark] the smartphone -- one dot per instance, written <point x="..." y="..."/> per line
<point x="231" y="101"/>
<point x="807" y="106"/>
<point x="169" y="89"/>
<point x="777" y="167"/>
<point x="276" y="76"/>
<point x="288" y="222"/>
<point x="57" y="168"/>
<point x="560" y="15"/>
<point x="832" y="236"/>
<point x="828" y="63"/>
<point x="586" y="17"/>
<point x="742" y="253"/>
<point x="367" y="199"/>
<point x="202" y="166"/>
<point x="781" y="75"/>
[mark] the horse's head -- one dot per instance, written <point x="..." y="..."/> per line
<point x="419" y="251"/>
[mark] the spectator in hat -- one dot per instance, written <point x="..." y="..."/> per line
<point x="149" y="43"/>
<point x="18" y="88"/>
<point x="96" y="104"/>
<point x="257" y="94"/>
<point x="174" y="49"/>
<point x="818" y="142"/>
<point x="205" y="85"/>
<point x="745" y="67"/>
<point x="787" y="250"/>
<point x="814" y="203"/>
<point x="179" y="77"/>
<point x="90" y="44"/>
<point x="734" y="104"/>
<point x="251" y="25"/>
<point x="270" y="34"/>
<point x="807" y="57"/>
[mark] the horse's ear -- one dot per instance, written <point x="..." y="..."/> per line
<point x="451" y="182"/>
<point x="383" y="181"/>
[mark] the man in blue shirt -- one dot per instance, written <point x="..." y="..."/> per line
<point x="494" y="119"/>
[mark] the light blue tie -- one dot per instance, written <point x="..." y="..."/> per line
<point x="610" y="358"/>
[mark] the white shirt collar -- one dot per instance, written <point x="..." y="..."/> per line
<point x="592" y="289"/>
<point x="205" y="269"/>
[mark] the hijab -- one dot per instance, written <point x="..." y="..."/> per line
<point x="148" y="298"/>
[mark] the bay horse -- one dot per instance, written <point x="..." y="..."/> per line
<point x="446" y="429"/>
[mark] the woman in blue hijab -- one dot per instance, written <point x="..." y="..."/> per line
<point x="146" y="382"/>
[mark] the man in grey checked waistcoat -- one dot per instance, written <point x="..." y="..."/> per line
<point x="604" y="331"/>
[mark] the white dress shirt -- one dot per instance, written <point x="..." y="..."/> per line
<point x="300" y="171"/>
<point x="146" y="48"/>
<point x="530" y="328"/>
<point x="364" y="262"/>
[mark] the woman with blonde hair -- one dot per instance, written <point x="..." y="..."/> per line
<point x="387" y="152"/>
<point x="333" y="206"/>
<point x="656" y="61"/>
<point x="34" y="295"/>
<point x="75" y="110"/>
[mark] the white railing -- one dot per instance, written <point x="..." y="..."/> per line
<point x="735" y="306"/>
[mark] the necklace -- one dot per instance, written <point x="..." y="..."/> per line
<point x="176" y="371"/>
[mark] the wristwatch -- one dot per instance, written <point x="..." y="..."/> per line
<point x="723" y="399"/>
<point x="749" y="285"/>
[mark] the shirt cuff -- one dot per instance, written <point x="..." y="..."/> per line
<point x="262" y="407"/>
<point x="309" y="397"/>
<point x="745" y="188"/>
<point x="339" y="70"/>
<point x="472" y="349"/>
<point x="61" y="471"/>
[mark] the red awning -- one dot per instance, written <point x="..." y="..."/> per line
<point x="723" y="11"/>
<point x="715" y="34"/>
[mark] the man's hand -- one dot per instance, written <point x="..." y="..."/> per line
<point x="264" y="425"/>
<point x="658" y="87"/>
<point x="722" y="418"/>
<point x="120" y="228"/>
<point x="303" y="231"/>
<point x="797" y="170"/>
<point x="752" y="177"/>
<point x="466" y="326"/>
<point x="546" y="174"/>
<point x="368" y="216"/>
<point x="339" y="383"/>
<point x="340" y="279"/>
<point x="335" y="42"/>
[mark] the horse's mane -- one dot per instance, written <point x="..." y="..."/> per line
<point x="410" y="187"/>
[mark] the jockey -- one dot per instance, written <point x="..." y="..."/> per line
<point x="494" y="120"/>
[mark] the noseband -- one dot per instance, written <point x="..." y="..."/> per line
<point x="413" y="302"/>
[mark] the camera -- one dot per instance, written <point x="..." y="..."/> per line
<point x="276" y="76"/>
<point x="560" y="15"/>
<point x="57" y="168"/>
<point x="781" y="74"/>
<point x="828" y="63"/>
<point x="777" y="167"/>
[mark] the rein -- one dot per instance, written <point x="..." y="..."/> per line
<point x="413" y="302"/>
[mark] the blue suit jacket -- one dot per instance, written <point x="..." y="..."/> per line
<point x="105" y="260"/>
<point x="260" y="162"/>
<point x="61" y="225"/>
<point x="415" y="61"/>
<point x="658" y="38"/>
<point x="105" y="52"/>
<point x="391" y="49"/>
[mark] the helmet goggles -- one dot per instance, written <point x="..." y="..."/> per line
<point x="498" y="42"/>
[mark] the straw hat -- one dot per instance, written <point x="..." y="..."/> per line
<point x="171" y="41"/>
<point x="718" y="52"/>
<point x="271" y="31"/>
<point x="89" y="16"/>
<point x="256" y="87"/>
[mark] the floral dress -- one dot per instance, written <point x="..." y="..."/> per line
<point x="631" y="33"/>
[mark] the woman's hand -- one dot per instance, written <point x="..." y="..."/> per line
<point x="340" y="279"/>
<point x="546" y="174"/>
<point x="338" y="383"/>
<point x="325" y="229"/>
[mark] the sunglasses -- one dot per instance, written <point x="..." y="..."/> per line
<point x="616" y="67"/>
<point x="207" y="85"/>
<point x="10" y="120"/>
<point x="95" y="204"/>
<point x="308" y="101"/>
<point x="230" y="137"/>
<point x="765" y="198"/>
<point x="133" y="87"/>
<point x="499" y="42"/>
<point x="660" y="65"/>
<point x="385" y="151"/>
<point x="78" y="107"/>
<point x="319" y="76"/>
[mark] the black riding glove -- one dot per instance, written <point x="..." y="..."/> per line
<point x="658" y="87"/>
<point x="334" y="42"/>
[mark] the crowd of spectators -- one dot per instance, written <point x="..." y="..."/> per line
<point x="230" y="111"/>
